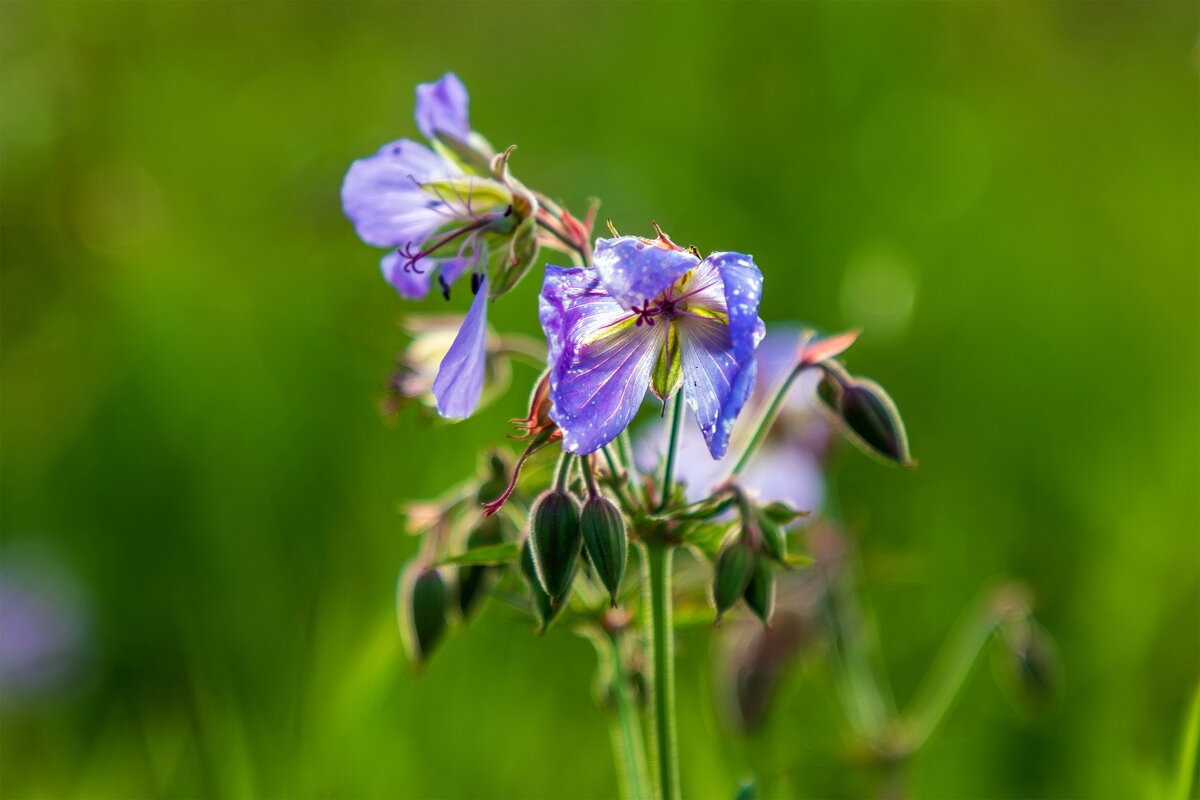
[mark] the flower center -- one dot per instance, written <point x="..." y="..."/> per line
<point x="458" y="200"/>
<point x="670" y="304"/>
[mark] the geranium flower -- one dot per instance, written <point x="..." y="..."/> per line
<point x="443" y="211"/>
<point x="650" y="315"/>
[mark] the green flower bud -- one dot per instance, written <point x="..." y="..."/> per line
<point x="781" y="513"/>
<point x="605" y="542"/>
<point x="760" y="591"/>
<point x="421" y="605"/>
<point x="871" y="418"/>
<point x="555" y="539"/>
<point x="473" y="580"/>
<point x="542" y="605"/>
<point x="773" y="538"/>
<point x="734" y="569"/>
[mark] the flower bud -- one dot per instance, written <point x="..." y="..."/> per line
<point x="773" y="537"/>
<point x="542" y="605"/>
<point x="605" y="542"/>
<point x="734" y="569"/>
<point x="872" y="419"/>
<point x="555" y="540"/>
<point x="760" y="591"/>
<point x="422" y="610"/>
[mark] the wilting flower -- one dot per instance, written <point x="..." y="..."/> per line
<point x="45" y="635"/>
<point x="417" y="364"/>
<point x="650" y="315"/>
<point x="444" y="211"/>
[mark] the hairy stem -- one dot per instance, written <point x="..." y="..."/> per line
<point x="660" y="635"/>
<point x="589" y="477"/>
<point x="564" y="471"/>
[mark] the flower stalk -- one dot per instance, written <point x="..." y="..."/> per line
<point x="656" y="555"/>
<point x="672" y="448"/>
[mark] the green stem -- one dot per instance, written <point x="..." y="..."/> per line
<point x="625" y="726"/>
<point x="656" y="578"/>
<point x="617" y="486"/>
<point x="672" y="446"/>
<point x="866" y="708"/>
<point x="589" y="478"/>
<point x="564" y="471"/>
<point x="635" y="777"/>
<point x="948" y="673"/>
<point x="624" y="449"/>
<point x="1189" y="746"/>
<point x="767" y="419"/>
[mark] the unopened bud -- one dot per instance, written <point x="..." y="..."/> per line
<point x="555" y="540"/>
<point x="542" y="605"/>
<point x="422" y="610"/>
<point x="734" y="569"/>
<point x="760" y="591"/>
<point x="605" y="542"/>
<point x="773" y="538"/>
<point x="873" y="419"/>
<point x="781" y="513"/>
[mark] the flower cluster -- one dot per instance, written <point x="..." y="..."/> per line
<point x="627" y="318"/>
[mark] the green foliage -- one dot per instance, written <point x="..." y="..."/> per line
<point x="1001" y="195"/>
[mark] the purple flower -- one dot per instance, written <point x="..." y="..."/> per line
<point x="433" y="211"/>
<point x="442" y="211"/>
<point x="44" y="623"/>
<point x="650" y="315"/>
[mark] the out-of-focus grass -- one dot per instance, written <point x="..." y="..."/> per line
<point x="1003" y="195"/>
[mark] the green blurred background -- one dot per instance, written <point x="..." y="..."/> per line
<point x="1003" y="194"/>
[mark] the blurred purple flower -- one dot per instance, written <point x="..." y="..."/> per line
<point x="44" y="628"/>
<point x="650" y="315"/>
<point x="787" y="467"/>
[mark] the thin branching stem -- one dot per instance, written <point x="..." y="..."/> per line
<point x="767" y="420"/>
<point x="618" y="476"/>
<point x="949" y="671"/>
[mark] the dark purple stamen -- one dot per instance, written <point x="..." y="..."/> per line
<point x="645" y="313"/>
<point x="476" y="280"/>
